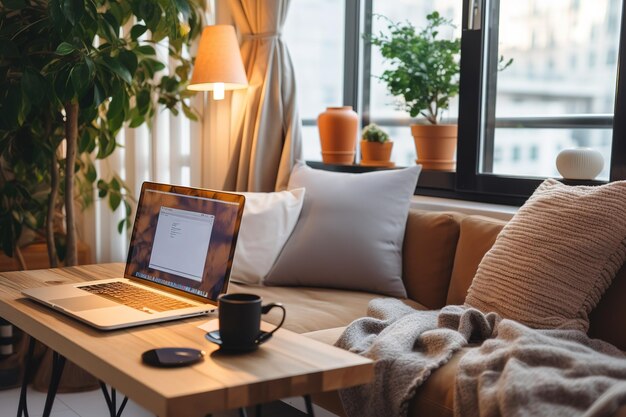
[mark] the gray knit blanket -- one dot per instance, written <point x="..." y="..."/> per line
<point x="517" y="371"/>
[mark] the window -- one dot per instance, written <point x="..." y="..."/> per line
<point x="560" y="105"/>
<point x="560" y="91"/>
<point x="316" y="44"/>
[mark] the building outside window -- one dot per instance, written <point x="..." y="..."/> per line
<point x="558" y="92"/>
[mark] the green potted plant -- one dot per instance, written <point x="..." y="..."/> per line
<point x="375" y="147"/>
<point x="425" y="74"/>
<point x="72" y="74"/>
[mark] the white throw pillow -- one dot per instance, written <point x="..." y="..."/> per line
<point x="350" y="232"/>
<point x="267" y="222"/>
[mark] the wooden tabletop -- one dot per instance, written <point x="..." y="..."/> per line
<point x="287" y="365"/>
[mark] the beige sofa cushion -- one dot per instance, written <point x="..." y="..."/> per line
<point x="428" y="255"/>
<point x="310" y="309"/>
<point x="610" y="310"/>
<point x="477" y="235"/>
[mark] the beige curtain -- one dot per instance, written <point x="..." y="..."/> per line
<point x="267" y="134"/>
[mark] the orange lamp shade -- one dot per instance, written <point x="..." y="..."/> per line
<point x="218" y="64"/>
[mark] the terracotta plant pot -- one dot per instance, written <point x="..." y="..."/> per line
<point x="338" y="158"/>
<point x="376" y="153"/>
<point x="435" y="145"/>
<point x="338" y="128"/>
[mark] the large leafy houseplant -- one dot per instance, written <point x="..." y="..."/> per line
<point x="424" y="69"/>
<point x="72" y="74"/>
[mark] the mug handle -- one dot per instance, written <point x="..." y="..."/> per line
<point x="265" y="336"/>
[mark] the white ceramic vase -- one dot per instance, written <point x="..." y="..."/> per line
<point x="579" y="163"/>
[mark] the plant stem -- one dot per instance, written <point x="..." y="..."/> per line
<point x="54" y="191"/>
<point x="71" y="138"/>
<point x="20" y="258"/>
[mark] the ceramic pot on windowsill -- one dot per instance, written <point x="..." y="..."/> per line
<point x="435" y="146"/>
<point x="376" y="154"/>
<point x="338" y="127"/>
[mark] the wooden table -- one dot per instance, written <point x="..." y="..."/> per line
<point x="286" y="366"/>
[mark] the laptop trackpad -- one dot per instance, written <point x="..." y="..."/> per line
<point x="85" y="302"/>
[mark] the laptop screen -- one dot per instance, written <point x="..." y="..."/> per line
<point x="184" y="239"/>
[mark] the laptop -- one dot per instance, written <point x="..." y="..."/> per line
<point x="179" y="261"/>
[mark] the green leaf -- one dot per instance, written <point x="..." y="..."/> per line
<point x="146" y="50"/>
<point x="120" y="226"/>
<point x="153" y="66"/>
<point x="143" y="101"/>
<point x="114" y="200"/>
<point x="81" y="78"/>
<point x="113" y="22"/>
<point x="115" y="184"/>
<point x="136" y="119"/>
<point x="129" y="59"/>
<point x="137" y="30"/>
<point x="146" y="10"/>
<point x="116" y="11"/>
<point x="33" y="85"/>
<point x="103" y="188"/>
<point x="118" y="69"/>
<point x="98" y="94"/>
<point x="65" y="48"/>
<point x="189" y="112"/>
<point x="103" y="144"/>
<point x="116" y="106"/>
<point x="84" y="141"/>
<point x="91" y="175"/>
<point x="115" y="124"/>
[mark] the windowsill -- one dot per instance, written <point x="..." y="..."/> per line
<point x="498" y="211"/>
<point x="439" y="185"/>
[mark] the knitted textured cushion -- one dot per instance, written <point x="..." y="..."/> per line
<point x="553" y="261"/>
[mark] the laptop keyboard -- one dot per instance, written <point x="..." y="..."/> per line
<point x="135" y="297"/>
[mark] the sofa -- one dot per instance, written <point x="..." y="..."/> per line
<point x="441" y="253"/>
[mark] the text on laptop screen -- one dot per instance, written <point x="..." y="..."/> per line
<point x="183" y="241"/>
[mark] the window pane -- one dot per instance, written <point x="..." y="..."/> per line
<point x="564" y="64"/>
<point x="315" y="37"/>
<point x="519" y="153"/>
<point x="311" y="148"/>
<point x="403" y="152"/>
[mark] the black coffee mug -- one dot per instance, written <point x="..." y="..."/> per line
<point x="240" y="321"/>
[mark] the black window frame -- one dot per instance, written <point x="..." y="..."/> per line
<point x="476" y="71"/>
<point x="468" y="183"/>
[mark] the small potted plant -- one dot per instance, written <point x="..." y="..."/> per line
<point x="425" y="74"/>
<point x="375" y="146"/>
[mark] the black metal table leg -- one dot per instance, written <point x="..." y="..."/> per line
<point x="309" y="405"/>
<point x="242" y="412"/>
<point x="259" y="410"/>
<point x="58" y="363"/>
<point x="22" y="409"/>
<point x="111" y="400"/>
